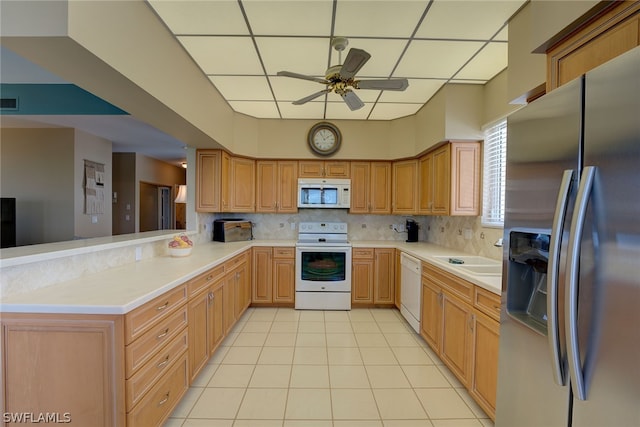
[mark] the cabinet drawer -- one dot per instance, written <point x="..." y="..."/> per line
<point x="487" y="302"/>
<point x="144" y="379"/>
<point x="143" y="349"/>
<point x="144" y="317"/>
<point x="362" y="253"/>
<point x="156" y="406"/>
<point x="279" y="252"/>
<point x="204" y="280"/>
<point x="459" y="287"/>
<point x="234" y="262"/>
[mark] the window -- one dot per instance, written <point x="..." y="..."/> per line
<point x="495" y="160"/>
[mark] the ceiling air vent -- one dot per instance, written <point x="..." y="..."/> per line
<point x="8" y="103"/>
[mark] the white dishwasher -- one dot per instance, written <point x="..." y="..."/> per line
<point x="410" y="289"/>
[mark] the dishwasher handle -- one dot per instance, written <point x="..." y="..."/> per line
<point x="411" y="262"/>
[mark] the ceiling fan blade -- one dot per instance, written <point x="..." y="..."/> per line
<point x="395" y="84"/>
<point x="356" y="58"/>
<point x="303" y="77"/>
<point x="352" y="101"/>
<point x="310" y="97"/>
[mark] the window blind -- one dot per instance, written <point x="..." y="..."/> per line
<point x="495" y="159"/>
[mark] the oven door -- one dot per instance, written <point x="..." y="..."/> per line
<point x="323" y="268"/>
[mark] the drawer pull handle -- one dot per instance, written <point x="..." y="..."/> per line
<point x="162" y="307"/>
<point x="164" y="334"/>
<point x="163" y="363"/>
<point x="209" y="278"/>
<point x="163" y="401"/>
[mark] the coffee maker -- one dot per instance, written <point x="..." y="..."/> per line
<point x="412" y="230"/>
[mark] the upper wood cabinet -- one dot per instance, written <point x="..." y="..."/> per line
<point x="276" y="186"/>
<point x="323" y="169"/>
<point x="449" y="181"/>
<point x="370" y="188"/>
<point x="612" y="32"/>
<point x="405" y="189"/>
<point x="224" y="183"/>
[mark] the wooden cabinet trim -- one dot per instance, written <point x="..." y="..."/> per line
<point x="205" y="280"/>
<point x="487" y="302"/>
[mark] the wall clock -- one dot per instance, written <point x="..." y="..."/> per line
<point x="324" y="138"/>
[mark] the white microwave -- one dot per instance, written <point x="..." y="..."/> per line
<point x="324" y="193"/>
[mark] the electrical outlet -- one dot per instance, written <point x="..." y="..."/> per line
<point x="468" y="234"/>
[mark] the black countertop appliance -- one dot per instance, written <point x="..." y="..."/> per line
<point x="412" y="230"/>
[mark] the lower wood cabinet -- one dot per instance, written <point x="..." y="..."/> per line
<point x="273" y="276"/>
<point x="460" y="322"/>
<point x="373" y="276"/>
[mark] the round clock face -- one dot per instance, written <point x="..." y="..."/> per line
<point x="324" y="138"/>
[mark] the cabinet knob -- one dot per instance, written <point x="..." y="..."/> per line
<point x="162" y="307"/>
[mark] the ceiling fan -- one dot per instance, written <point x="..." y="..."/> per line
<point x="340" y="78"/>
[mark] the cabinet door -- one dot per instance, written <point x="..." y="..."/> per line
<point x="208" y="180"/>
<point x="431" y="314"/>
<point x="404" y="187"/>
<point x="225" y="182"/>
<point x="383" y="289"/>
<point x="425" y="185"/>
<point x="198" y="309"/>
<point x="441" y="180"/>
<point x="484" y="362"/>
<point x="266" y="186"/>
<point x="310" y="168"/>
<point x="360" y="183"/>
<point x="455" y="348"/>
<point x="242" y="185"/>
<point x="284" y="280"/>
<point x="216" y="319"/>
<point x="380" y="188"/>
<point x="362" y="281"/>
<point x="336" y="169"/>
<point x="229" y="302"/>
<point x="261" y="291"/>
<point x="465" y="178"/>
<point x="287" y="187"/>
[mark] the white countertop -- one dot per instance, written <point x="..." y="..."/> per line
<point x="121" y="289"/>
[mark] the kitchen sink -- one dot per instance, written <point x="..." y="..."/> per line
<point x="467" y="260"/>
<point x="482" y="270"/>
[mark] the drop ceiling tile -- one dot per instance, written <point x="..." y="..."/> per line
<point x="384" y="111"/>
<point x="490" y="61"/>
<point x="471" y="20"/>
<point x="384" y="55"/>
<point x="423" y="58"/>
<point x="503" y="35"/>
<point x="243" y="88"/>
<point x="419" y="90"/>
<point x="223" y="55"/>
<point x="259" y="109"/>
<point x="366" y="95"/>
<point x="201" y="17"/>
<point x="296" y="18"/>
<point x="377" y="18"/>
<point x="310" y="110"/>
<point x="340" y="111"/>
<point x="290" y="89"/>
<point x="299" y="55"/>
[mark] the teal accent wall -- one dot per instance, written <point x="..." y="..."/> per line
<point x="55" y="99"/>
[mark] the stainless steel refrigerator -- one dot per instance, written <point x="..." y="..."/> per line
<point x="570" y="322"/>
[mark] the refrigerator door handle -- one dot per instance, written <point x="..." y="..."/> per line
<point x="572" y="279"/>
<point x="553" y="333"/>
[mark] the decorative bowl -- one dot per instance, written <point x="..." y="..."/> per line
<point x="180" y="252"/>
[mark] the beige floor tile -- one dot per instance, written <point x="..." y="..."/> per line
<point x="276" y="356"/>
<point x="400" y="340"/>
<point x="270" y="376"/>
<point x="307" y="423"/>
<point x="486" y="422"/>
<point x="310" y="356"/>
<point x="257" y="423"/>
<point x="254" y="326"/>
<point x="344" y="356"/>
<point x="412" y="356"/>
<point x="425" y="376"/>
<point x="353" y="404"/>
<point x="336" y="316"/>
<point x="449" y="376"/>
<point x="287" y="315"/>
<point x="284" y="327"/>
<point x="309" y="376"/>
<point x="204" y="376"/>
<point x="457" y="423"/>
<point x="173" y="422"/>
<point x="280" y="339"/>
<point x="388" y="376"/>
<point x="263" y="404"/>
<point x="378" y="356"/>
<point x="361" y="315"/>
<point x="229" y="339"/>
<point x="392" y="327"/>
<point x="207" y="423"/>
<point x="250" y="339"/>
<point x="263" y="314"/>
<point x="218" y="403"/>
<point x="432" y="355"/>
<point x="398" y="404"/>
<point x="308" y="404"/>
<point x="407" y="423"/>
<point x="311" y="316"/>
<point x="365" y="327"/>
<point x="371" y="340"/>
<point x="217" y="357"/>
<point x="190" y="398"/>
<point x="241" y="356"/>
<point x="443" y="403"/>
<point x="354" y="423"/>
<point x="475" y="408"/>
<point x="341" y="376"/>
<point x="231" y="376"/>
<point x="311" y="327"/>
<point x="341" y="340"/>
<point x="311" y="340"/>
<point x="386" y="315"/>
<point x="338" y="327"/>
